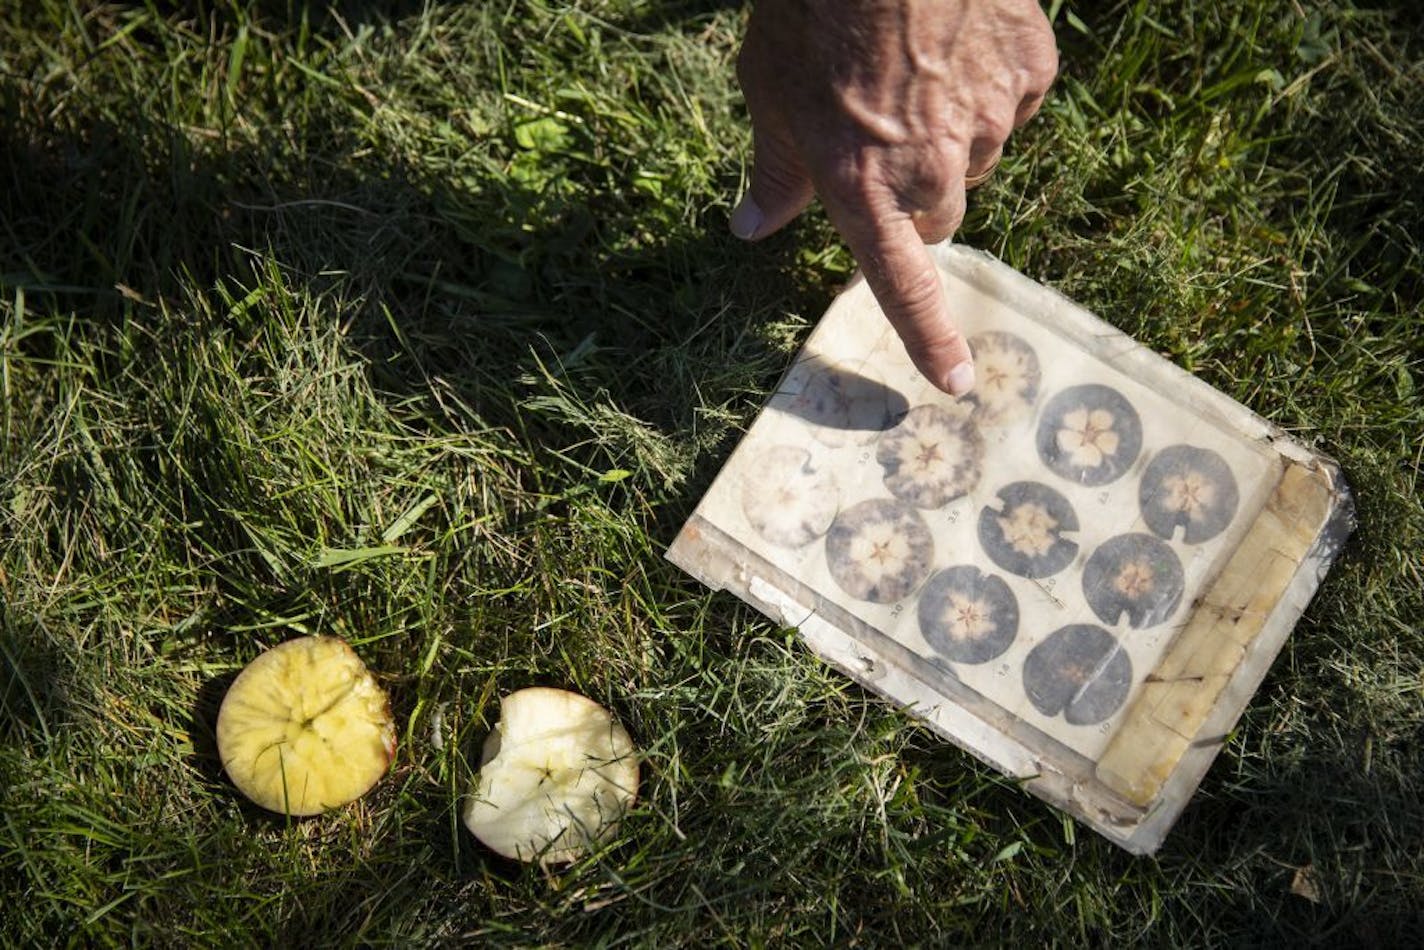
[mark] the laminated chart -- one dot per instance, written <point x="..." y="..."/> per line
<point x="1080" y="572"/>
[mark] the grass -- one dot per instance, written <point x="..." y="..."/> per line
<point x="419" y="325"/>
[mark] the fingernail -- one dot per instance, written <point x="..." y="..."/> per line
<point x="960" y="379"/>
<point x="746" y="218"/>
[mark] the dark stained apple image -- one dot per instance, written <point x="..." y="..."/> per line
<point x="1133" y="574"/>
<point x="1089" y="434"/>
<point x="1079" y="671"/>
<point x="1025" y="535"/>
<point x="879" y="550"/>
<point x="968" y="616"/>
<point x="932" y="456"/>
<point x="1191" y="488"/>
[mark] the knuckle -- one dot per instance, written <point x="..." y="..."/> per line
<point x="954" y="216"/>
<point x="1049" y="72"/>
<point x="925" y="193"/>
<point x="919" y="180"/>
<point x="1042" y="55"/>
<point x="849" y="178"/>
<point x="944" y="220"/>
<point x="995" y="125"/>
<point x="933" y="173"/>
<point x="928" y="340"/>
<point x="916" y="296"/>
<point x="1041" y="68"/>
<point x="858" y="203"/>
<point x="933" y="228"/>
<point x="1047" y="64"/>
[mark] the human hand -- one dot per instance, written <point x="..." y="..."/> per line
<point x="882" y="108"/>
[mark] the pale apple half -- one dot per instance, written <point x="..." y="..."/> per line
<point x="305" y="727"/>
<point x="556" y="776"/>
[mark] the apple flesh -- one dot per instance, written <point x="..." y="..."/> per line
<point x="305" y="727"/>
<point x="556" y="776"/>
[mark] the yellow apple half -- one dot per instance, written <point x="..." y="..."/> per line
<point x="305" y="727"/>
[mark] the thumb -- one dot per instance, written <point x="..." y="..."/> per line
<point x="780" y="188"/>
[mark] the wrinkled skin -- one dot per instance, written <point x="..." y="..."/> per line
<point x="882" y="108"/>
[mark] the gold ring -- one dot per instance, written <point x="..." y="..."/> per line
<point x="974" y="181"/>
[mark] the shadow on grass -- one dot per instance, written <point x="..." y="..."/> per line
<point x="202" y="729"/>
<point x="471" y="296"/>
<point x="475" y="283"/>
<point x="1310" y="822"/>
<point x="33" y="682"/>
<point x="473" y="293"/>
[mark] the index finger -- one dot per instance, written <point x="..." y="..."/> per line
<point x="906" y="283"/>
